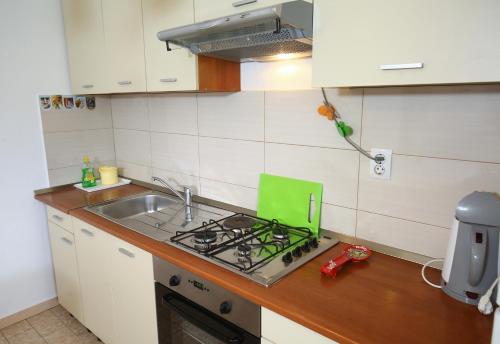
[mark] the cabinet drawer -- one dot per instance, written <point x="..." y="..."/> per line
<point x="59" y="218"/>
<point x="280" y="330"/>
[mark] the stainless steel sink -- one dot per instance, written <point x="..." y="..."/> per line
<point x="156" y="215"/>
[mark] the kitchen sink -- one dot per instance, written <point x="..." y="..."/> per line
<point x="155" y="214"/>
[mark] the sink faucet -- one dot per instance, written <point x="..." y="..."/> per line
<point x="187" y="198"/>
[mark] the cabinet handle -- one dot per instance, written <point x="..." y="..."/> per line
<point x="87" y="232"/>
<point x="67" y="241"/>
<point x="243" y="3"/>
<point x="57" y="217"/>
<point x="168" y="80"/>
<point x="417" y="65"/>
<point x="126" y="252"/>
<point x="87" y="86"/>
<point x="124" y="82"/>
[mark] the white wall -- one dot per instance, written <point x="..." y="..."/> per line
<point x="32" y="61"/>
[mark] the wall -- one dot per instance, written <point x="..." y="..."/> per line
<point x="32" y="60"/>
<point x="445" y="142"/>
<point x="71" y="134"/>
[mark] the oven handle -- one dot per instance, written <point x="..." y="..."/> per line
<point x="202" y="318"/>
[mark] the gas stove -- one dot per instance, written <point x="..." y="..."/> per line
<point x="261" y="250"/>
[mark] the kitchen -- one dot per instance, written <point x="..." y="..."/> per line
<point x="389" y="156"/>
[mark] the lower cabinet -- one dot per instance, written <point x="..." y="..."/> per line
<point x="62" y="243"/>
<point x="94" y="266"/>
<point x="133" y="294"/>
<point x="277" y="329"/>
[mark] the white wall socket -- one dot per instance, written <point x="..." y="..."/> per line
<point x="381" y="170"/>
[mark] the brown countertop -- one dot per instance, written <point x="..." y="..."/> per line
<point x="68" y="197"/>
<point x="382" y="300"/>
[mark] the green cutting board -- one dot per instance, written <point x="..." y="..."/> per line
<point x="288" y="200"/>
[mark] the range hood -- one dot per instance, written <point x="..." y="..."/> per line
<point x="271" y="33"/>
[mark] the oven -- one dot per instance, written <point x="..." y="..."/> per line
<point x="193" y="311"/>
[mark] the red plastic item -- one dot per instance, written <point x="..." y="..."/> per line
<point x="356" y="253"/>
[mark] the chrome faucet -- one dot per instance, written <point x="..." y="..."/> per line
<point x="186" y="198"/>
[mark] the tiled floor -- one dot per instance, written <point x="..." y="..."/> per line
<point x="54" y="326"/>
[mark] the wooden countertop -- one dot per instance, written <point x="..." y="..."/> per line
<point x="382" y="300"/>
<point x="68" y="197"/>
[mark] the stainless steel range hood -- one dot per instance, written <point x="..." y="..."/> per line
<point x="270" y="33"/>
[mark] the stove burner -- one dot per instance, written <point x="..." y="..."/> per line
<point x="280" y="233"/>
<point x="244" y="250"/>
<point x="205" y="237"/>
<point x="238" y="222"/>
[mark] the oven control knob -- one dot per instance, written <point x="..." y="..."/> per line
<point x="306" y="247"/>
<point x="297" y="252"/>
<point x="287" y="258"/>
<point x="174" y="281"/>
<point x="313" y="242"/>
<point x="225" y="307"/>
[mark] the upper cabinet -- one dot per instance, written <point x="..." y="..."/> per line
<point x="393" y="42"/>
<point x="174" y="70"/>
<point x="124" y="45"/>
<point x="86" y="46"/>
<point x="209" y="9"/>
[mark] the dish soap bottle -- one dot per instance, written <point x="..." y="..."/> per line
<point x="88" y="176"/>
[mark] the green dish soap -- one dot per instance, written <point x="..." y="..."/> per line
<point x="88" y="175"/>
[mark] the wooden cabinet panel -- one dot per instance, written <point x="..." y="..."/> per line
<point x="94" y="265"/>
<point x="174" y="70"/>
<point x="132" y="284"/>
<point x="455" y="41"/>
<point x="280" y="330"/>
<point x="62" y="243"/>
<point x="124" y="45"/>
<point x="85" y="46"/>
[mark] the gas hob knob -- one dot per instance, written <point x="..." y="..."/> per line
<point x="297" y="252"/>
<point x="174" y="281"/>
<point x="225" y="307"/>
<point x="313" y="242"/>
<point x="287" y="258"/>
<point x="306" y="247"/>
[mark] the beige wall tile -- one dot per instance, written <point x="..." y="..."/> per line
<point x="73" y="174"/>
<point x="76" y="119"/>
<point x="134" y="171"/>
<point x="130" y="111"/>
<point x="232" y="115"/>
<point x="133" y="146"/>
<point x="229" y="193"/>
<point x="174" y="152"/>
<point x="338" y="219"/>
<point x="406" y="235"/>
<point x="458" y="122"/>
<point x="231" y="161"/>
<point x="176" y="113"/>
<point x="425" y="190"/>
<point x="337" y="169"/>
<point x="178" y="179"/>
<point x="291" y="117"/>
<point x="65" y="149"/>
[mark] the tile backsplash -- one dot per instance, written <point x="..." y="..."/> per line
<point x="445" y="142"/>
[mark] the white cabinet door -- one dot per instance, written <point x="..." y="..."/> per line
<point x="124" y="45"/>
<point x="174" y="70"/>
<point x="393" y="42"/>
<point x="85" y="45"/>
<point x="209" y="9"/>
<point x="62" y="243"/>
<point x="280" y="330"/>
<point x="132" y="284"/>
<point x="94" y="264"/>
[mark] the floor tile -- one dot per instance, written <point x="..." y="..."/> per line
<point x="59" y="311"/>
<point x="61" y="336"/>
<point x="46" y="323"/>
<point x="27" y="337"/>
<point x="16" y="329"/>
<point x="2" y="339"/>
<point x="87" y="338"/>
<point x="69" y="321"/>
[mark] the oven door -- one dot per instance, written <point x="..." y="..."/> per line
<point x="181" y="321"/>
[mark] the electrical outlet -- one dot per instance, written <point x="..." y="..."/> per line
<point x="381" y="170"/>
